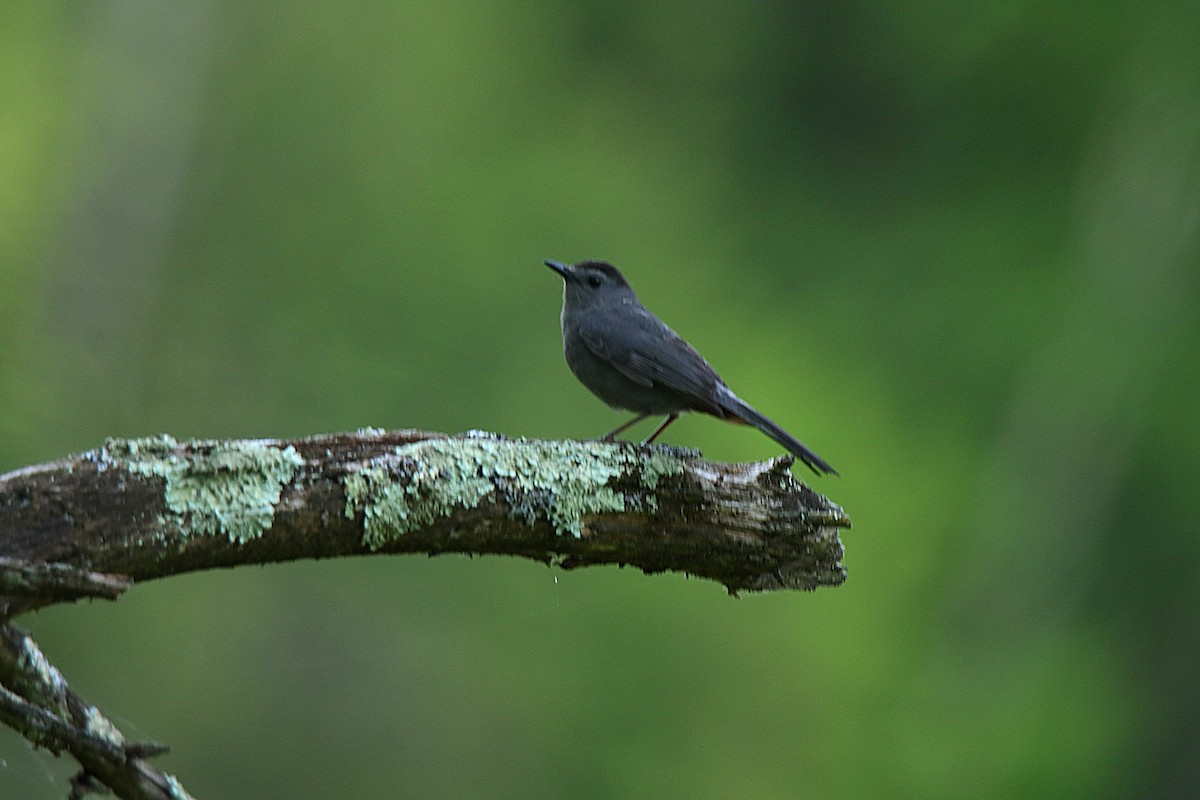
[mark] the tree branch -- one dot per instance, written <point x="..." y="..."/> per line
<point x="36" y="701"/>
<point x="91" y="525"/>
<point x="149" y="508"/>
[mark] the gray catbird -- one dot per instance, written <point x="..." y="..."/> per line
<point x="631" y="360"/>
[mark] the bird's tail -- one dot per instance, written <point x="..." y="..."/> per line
<point x="735" y="406"/>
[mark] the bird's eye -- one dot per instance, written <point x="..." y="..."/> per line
<point x="594" y="281"/>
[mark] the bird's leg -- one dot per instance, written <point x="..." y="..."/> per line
<point x="662" y="427"/>
<point x="608" y="437"/>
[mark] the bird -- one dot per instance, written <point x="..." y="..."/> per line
<point x="631" y="360"/>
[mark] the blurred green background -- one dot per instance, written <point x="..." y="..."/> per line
<point x="954" y="248"/>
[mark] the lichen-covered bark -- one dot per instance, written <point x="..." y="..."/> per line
<point x="149" y="508"/>
<point x="92" y="524"/>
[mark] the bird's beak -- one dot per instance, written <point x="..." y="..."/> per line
<point x="560" y="268"/>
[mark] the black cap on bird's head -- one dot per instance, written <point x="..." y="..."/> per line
<point x="592" y="272"/>
<point x="587" y="280"/>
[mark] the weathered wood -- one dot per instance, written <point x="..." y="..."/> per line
<point x="92" y="524"/>
<point x="150" y="508"/>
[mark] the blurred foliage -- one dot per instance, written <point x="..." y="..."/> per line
<point x="953" y="248"/>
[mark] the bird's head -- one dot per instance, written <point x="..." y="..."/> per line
<point x="588" y="282"/>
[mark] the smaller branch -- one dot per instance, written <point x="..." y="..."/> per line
<point x="58" y="582"/>
<point x="44" y="729"/>
<point x="36" y="701"/>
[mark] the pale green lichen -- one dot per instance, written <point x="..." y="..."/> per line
<point x="97" y="724"/>
<point x="559" y="481"/>
<point x="175" y="789"/>
<point x="370" y="430"/>
<point x="41" y="678"/>
<point x="228" y="488"/>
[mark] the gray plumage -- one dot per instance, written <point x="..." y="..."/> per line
<point x="631" y="360"/>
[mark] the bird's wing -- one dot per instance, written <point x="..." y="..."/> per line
<point x="651" y="354"/>
<point x="601" y="347"/>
